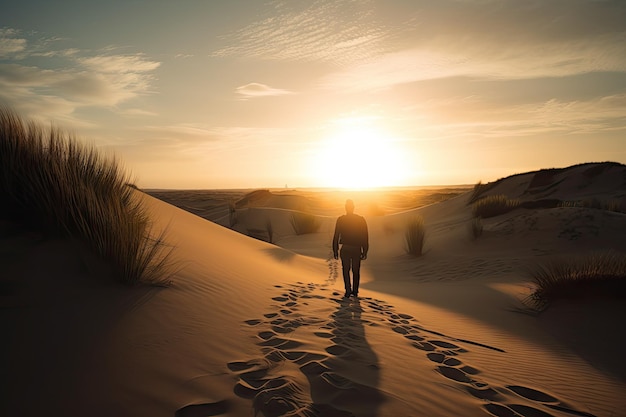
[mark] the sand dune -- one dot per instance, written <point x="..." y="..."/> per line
<point x="253" y="328"/>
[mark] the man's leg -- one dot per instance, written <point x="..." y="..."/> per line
<point x="356" y="273"/>
<point x="345" y="266"/>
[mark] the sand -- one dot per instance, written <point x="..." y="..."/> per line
<point x="256" y="328"/>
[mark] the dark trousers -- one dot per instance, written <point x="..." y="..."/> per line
<point x="351" y="259"/>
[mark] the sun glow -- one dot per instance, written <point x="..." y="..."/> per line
<point x="359" y="154"/>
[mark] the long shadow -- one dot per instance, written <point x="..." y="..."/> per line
<point x="509" y="310"/>
<point x="352" y="376"/>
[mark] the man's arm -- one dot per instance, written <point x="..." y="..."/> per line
<point x="366" y="244"/>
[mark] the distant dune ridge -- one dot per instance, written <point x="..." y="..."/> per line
<point x="250" y="327"/>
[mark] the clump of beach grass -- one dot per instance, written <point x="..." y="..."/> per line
<point x="597" y="273"/>
<point x="480" y="188"/>
<point x="494" y="205"/>
<point x="304" y="223"/>
<point x="232" y="213"/>
<point x="51" y="183"/>
<point x="614" y="205"/>
<point x="414" y="236"/>
<point x="476" y="227"/>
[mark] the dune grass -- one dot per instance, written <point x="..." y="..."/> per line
<point x="494" y="205"/>
<point x="304" y="223"/>
<point x="51" y="183"/>
<point x="614" y="205"/>
<point x="414" y="236"/>
<point x="480" y="188"/>
<point x="476" y="227"/>
<point x="599" y="273"/>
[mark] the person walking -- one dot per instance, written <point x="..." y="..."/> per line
<point x="351" y="233"/>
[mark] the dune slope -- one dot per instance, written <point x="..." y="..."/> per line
<point x="251" y="328"/>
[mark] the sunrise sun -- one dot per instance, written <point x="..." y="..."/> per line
<point x="358" y="153"/>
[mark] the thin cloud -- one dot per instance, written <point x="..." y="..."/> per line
<point x="606" y="53"/>
<point x="186" y="130"/>
<point x="10" y="43"/>
<point x="488" y="120"/>
<point x="323" y="30"/>
<point x="119" y="64"/>
<point x="414" y="41"/>
<point x="252" y="90"/>
<point x="54" y="83"/>
<point x="138" y="112"/>
<point x="198" y="137"/>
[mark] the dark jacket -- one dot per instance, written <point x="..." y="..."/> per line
<point x="351" y="230"/>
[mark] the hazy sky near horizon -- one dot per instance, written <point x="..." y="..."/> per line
<point x="245" y="94"/>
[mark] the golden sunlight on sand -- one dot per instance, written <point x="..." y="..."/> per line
<point x="255" y="322"/>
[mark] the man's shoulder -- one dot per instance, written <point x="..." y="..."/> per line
<point x="350" y="217"/>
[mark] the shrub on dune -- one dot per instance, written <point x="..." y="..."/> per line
<point x="601" y="273"/>
<point x="414" y="236"/>
<point x="614" y="205"/>
<point x="476" y="227"/>
<point x="494" y="205"/>
<point x="52" y="183"/>
<point x="480" y="188"/>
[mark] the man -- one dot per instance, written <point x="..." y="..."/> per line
<point x="351" y="233"/>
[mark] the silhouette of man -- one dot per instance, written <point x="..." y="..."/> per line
<point x="351" y="233"/>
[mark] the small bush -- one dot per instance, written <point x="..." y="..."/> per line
<point x="476" y="227"/>
<point x="51" y="183"/>
<point x="494" y="205"/>
<point x="304" y="223"/>
<point x="414" y="236"/>
<point x="610" y="205"/>
<point x="479" y="188"/>
<point x="232" y="214"/>
<point x="601" y="273"/>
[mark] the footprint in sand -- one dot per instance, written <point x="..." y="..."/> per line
<point x="279" y="394"/>
<point x="445" y="353"/>
<point x="260" y="379"/>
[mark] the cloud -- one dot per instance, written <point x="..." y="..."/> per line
<point x="605" y="53"/>
<point x="10" y="43"/>
<point x="119" y="64"/>
<point x="197" y="140"/>
<point x="323" y="30"/>
<point x="473" y="117"/>
<point x="138" y="112"/>
<point x="259" y="90"/>
<point x="190" y="131"/>
<point x="53" y="84"/>
<point x="379" y="45"/>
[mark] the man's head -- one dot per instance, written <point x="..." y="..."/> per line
<point x="349" y="206"/>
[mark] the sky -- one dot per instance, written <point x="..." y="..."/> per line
<point x="212" y="94"/>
